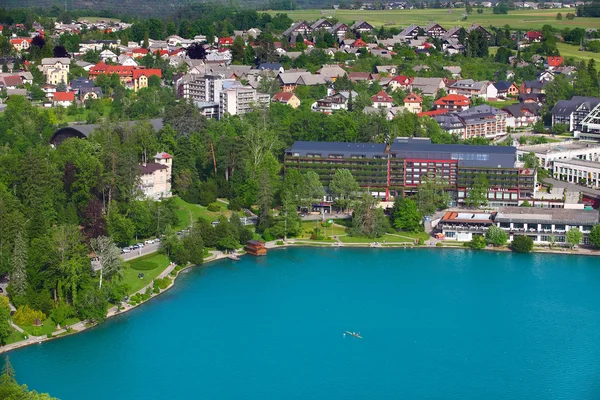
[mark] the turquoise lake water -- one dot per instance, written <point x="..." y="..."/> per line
<point x="437" y="324"/>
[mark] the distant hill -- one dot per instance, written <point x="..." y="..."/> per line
<point x="157" y="7"/>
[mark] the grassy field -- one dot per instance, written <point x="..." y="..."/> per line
<point x="130" y="274"/>
<point x="186" y="210"/>
<point x="571" y="50"/>
<point x="519" y="19"/>
<point x="96" y="19"/>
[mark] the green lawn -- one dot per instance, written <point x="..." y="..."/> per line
<point x="186" y="210"/>
<point x="130" y="274"/>
<point x="397" y="237"/>
<point x="334" y="230"/>
<point x="48" y="326"/>
<point x="571" y="50"/>
<point x="15" y="336"/>
<point x="518" y="19"/>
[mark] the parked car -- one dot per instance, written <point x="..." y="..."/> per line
<point x="149" y="241"/>
<point x="125" y="250"/>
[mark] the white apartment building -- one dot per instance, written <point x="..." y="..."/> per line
<point x="236" y="99"/>
<point x="577" y="171"/>
<point x="56" y="70"/>
<point x="155" y="177"/>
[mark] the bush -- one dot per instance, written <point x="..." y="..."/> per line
<point x="156" y="290"/>
<point x="421" y="242"/>
<point x="279" y="243"/>
<point x="213" y="207"/>
<point x="27" y="316"/>
<point x="162" y="284"/>
<point x="522" y="244"/>
<point x="439" y="244"/>
<point x="477" y="243"/>
<point x="49" y="336"/>
<point x="268" y="236"/>
<point x="143" y="265"/>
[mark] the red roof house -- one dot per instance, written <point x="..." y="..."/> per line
<point x="382" y="99"/>
<point x="400" y="81"/>
<point x="225" y="41"/>
<point x="534" y="36"/>
<point x="413" y="98"/>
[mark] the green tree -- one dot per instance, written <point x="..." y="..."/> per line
<point x="530" y="160"/>
<point x="406" y="215"/>
<point x="574" y="237"/>
<point x="522" y="244"/>
<point x="194" y="246"/>
<point x="312" y="190"/>
<point x="595" y="236"/>
<point x="477" y="243"/>
<point x="92" y="304"/>
<point x="559" y="16"/>
<point x="5" y="326"/>
<point x="431" y="196"/>
<point x="343" y="188"/>
<point x="368" y="219"/>
<point x="477" y="196"/>
<point x="62" y="312"/>
<point x="18" y="275"/>
<point x="496" y="236"/>
<point x="109" y="258"/>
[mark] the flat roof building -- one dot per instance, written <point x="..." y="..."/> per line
<point x="568" y="150"/>
<point x="577" y="171"/>
<point x="400" y="168"/>
<point x="543" y="225"/>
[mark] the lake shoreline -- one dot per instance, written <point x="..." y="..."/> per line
<point x="112" y="312"/>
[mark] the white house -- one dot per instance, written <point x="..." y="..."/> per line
<point x="155" y="177"/>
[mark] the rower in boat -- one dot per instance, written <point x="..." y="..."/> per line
<point x="356" y="335"/>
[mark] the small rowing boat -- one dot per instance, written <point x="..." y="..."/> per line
<point x="356" y="335"/>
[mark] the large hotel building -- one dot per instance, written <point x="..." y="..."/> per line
<point x="389" y="171"/>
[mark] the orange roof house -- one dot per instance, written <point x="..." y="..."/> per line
<point x="141" y="76"/>
<point x="453" y="102"/>
<point x="288" y="98"/>
<point x="138" y="53"/>
<point x="413" y="103"/>
<point x="554" y="61"/>
<point x="21" y="43"/>
<point x="359" y="43"/>
<point x="64" y="96"/>
<point x="432" y="113"/>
